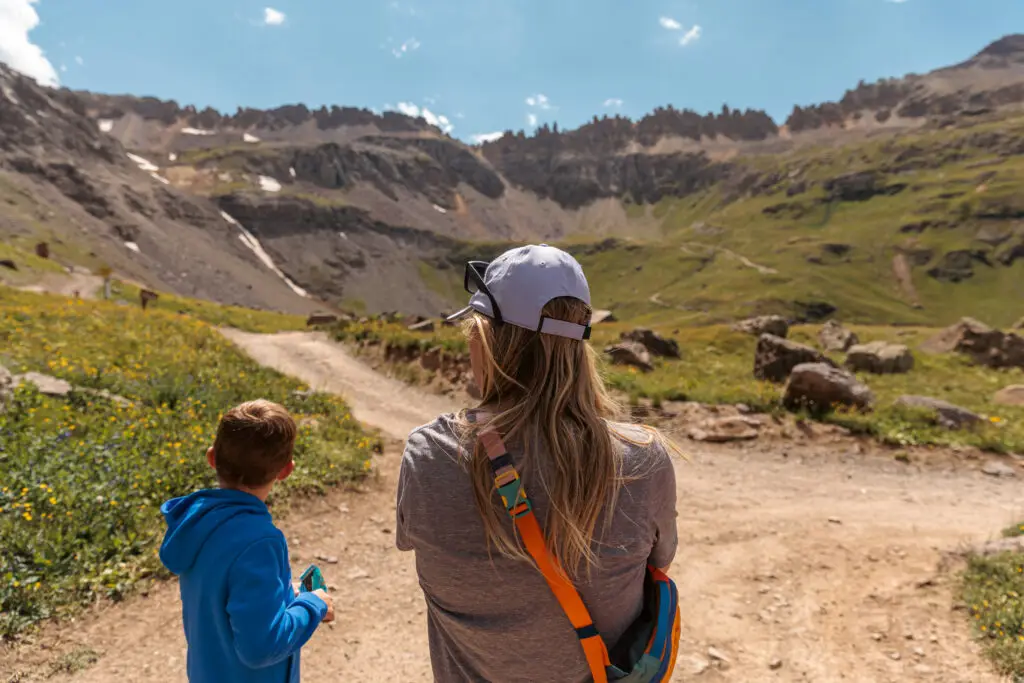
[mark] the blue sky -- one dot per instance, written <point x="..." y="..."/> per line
<point x="488" y="65"/>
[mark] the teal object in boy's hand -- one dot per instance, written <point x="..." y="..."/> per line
<point x="312" y="580"/>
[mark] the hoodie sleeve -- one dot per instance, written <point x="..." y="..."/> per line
<point x="268" y="623"/>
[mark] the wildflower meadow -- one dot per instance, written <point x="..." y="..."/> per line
<point x="82" y="476"/>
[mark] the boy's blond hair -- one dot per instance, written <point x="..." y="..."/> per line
<point x="254" y="443"/>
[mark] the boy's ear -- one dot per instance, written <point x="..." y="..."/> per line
<point x="211" y="458"/>
<point x="286" y="471"/>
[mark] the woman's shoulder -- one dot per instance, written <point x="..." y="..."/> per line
<point x="645" y="449"/>
<point x="439" y="437"/>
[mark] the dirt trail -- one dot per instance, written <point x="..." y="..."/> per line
<point x="83" y="282"/>
<point x="796" y="563"/>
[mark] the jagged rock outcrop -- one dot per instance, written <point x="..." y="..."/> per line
<point x="630" y="353"/>
<point x="985" y="345"/>
<point x="655" y="344"/>
<point x="834" y="337"/>
<point x="765" y="324"/>
<point x="880" y="358"/>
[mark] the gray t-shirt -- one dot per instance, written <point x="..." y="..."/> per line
<point x="494" y="620"/>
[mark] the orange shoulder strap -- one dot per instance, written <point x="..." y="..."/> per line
<point x="509" y="486"/>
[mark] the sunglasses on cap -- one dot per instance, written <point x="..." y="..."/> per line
<point x="473" y="281"/>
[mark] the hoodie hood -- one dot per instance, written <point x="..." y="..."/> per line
<point x="193" y="518"/>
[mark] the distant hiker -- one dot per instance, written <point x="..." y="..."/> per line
<point x="604" y="495"/>
<point x="244" y="621"/>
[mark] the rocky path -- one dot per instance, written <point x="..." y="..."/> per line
<point x="797" y="562"/>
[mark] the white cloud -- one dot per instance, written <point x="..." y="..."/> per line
<point x="79" y="61"/>
<point x="531" y="120"/>
<point x="613" y="103"/>
<point x="691" y="35"/>
<point x="481" y="138"/>
<point x="408" y="46"/>
<point x="273" y="17"/>
<point x="670" y="23"/>
<point x="17" y="19"/>
<point x="438" y="120"/>
<point x="539" y="100"/>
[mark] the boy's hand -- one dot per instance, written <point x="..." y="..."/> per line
<point x="297" y="588"/>
<point x="322" y="594"/>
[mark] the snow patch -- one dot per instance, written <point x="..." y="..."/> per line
<point x="144" y="164"/>
<point x="134" y="247"/>
<point x="291" y="172"/>
<point x="249" y="240"/>
<point x="106" y="125"/>
<point x="268" y="184"/>
<point x="163" y="180"/>
<point x="342" y="235"/>
<point x="440" y="209"/>
<point x="197" y="131"/>
<point x="246" y="137"/>
<point x="9" y="94"/>
<point x="172" y="157"/>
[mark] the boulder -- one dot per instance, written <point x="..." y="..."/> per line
<point x="655" y="344"/>
<point x="724" y="429"/>
<point x="765" y="324"/>
<point x="879" y="357"/>
<point x="820" y="387"/>
<point x="44" y="384"/>
<point x="600" y="316"/>
<point x="630" y="353"/>
<point x="1012" y="395"/>
<point x="985" y="345"/>
<point x="994" y="468"/>
<point x="834" y="337"/>
<point x="1019" y="325"/>
<point x="9" y="264"/>
<point x="945" y="414"/>
<point x="425" y="326"/>
<point x="776" y="357"/>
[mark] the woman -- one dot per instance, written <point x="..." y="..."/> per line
<point x="604" y="493"/>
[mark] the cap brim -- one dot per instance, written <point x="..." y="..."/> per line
<point x="461" y="314"/>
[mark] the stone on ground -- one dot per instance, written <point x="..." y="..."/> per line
<point x="880" y="358"/>
<point x="776" y="357"/>
<point x="1012" y="395"/>
<point x="655" y="344"/>
<point x="945" y="413"/>
<point x="630" y="353"/>
<point x="820" y="387"/>
<point x="725" y="429"/>
<point x="765" y="324"/>
<point x="45" y="384"/>
<point x="834" y="337"/>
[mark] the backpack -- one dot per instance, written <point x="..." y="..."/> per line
<point x="646" y="652"/>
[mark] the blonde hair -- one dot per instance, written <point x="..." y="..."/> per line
<point x="548" y="399"/>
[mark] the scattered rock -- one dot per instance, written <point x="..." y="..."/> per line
<point x="45" y="384"/>
<point x="694" y="665"/>
<point x="601" y="316"/>
<point x="820" y="387"/>
<point x="834" y="520"/>
<point x="1019" y="325"/>
<point x="880" y="358"/>
<point x="724" y="429"/>
<point x="994" y="468"/>
<point x="946" y="414"/>
<point x="765" y="324"/>
<point x="655" y="344"/>
<point x="316" y="319"/>
<point x="895" y="656"/>
<point x="630" y="353"/>
<point x="8" y="263"/>
<point x="775" y="664"/>
<point x="985" y="345"/>
<point x="776" y="357"/>
<point x="43" y="250"/>
<point x="1012" y="395"/>
<point x="919" y="651"/>
<point x="425" y="326"/>
<point x="6" y="388"/>
<point x="716" y="655"/>
<point x="834" y="337"/>
<point x="998" y="546"/>
<point x="357" y="574"/>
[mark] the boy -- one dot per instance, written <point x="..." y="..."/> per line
<point x="244" y="622"/>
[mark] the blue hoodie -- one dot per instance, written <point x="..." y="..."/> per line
<point x="242" y="620"/>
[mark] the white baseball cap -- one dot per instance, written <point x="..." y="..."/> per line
<point x="515" y="287"/>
